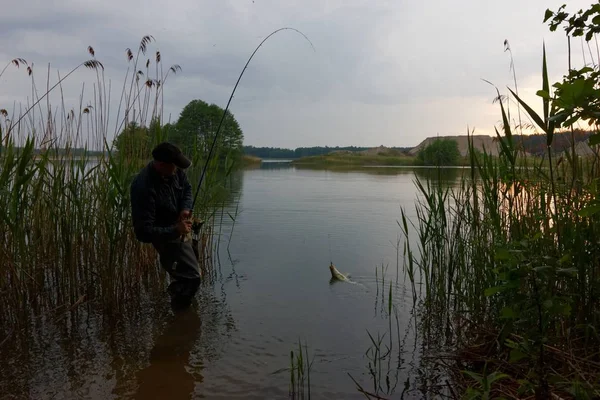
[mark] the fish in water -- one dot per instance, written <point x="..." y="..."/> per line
<point x="336" y="275"/>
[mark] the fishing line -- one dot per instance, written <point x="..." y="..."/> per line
<point x="329" y="241"/>
<point x="231" y="97"/>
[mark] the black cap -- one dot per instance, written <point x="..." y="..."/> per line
<point x="169" y="153"/>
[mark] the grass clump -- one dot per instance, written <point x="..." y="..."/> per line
<point x="251" y="160"/>
<point x="299" y="370"/>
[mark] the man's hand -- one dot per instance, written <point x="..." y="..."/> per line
<point x="185" y="215"/>
<point x="183" y="227"/>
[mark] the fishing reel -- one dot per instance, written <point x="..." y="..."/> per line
<point x="196" y="226"/>
<point x="194" y="234"/>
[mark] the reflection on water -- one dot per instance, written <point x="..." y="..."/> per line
<point x="270" y="289"/>
<point x="148" y="353"/>
<point x="167" y="375"/>
<point x="448" y="175"/>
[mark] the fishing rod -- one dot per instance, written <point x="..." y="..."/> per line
<point x="227" y="107"/>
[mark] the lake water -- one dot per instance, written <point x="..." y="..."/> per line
<point x="273" y="289"/>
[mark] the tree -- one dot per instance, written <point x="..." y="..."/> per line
<point x="196" y="127"/>
<point x="136" y="141"/>
<point x="440" y="152"/>
<point x="133" y="141"/>
<point x="194" y="133"/>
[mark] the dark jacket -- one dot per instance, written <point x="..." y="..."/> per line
<point x="156" y="203"/>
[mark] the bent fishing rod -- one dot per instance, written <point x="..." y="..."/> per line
<point x="227" y="107"/>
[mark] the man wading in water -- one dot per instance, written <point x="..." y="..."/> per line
<point x="161" y="202"/>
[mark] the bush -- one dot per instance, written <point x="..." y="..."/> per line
<point x="440" y="152"/>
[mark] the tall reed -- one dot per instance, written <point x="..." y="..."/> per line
<point x="300" y="368"/>
<point x="65" y="225"/>
<point x="508" y="259"/>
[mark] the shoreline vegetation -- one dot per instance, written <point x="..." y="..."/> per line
<point x="353" y="156"/>
<point x="250" y="160"/>
<point x="65" y="229"/>
<point x="433" y="151"/>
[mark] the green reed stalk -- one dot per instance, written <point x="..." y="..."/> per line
<point x="300" y="373"/>
<point x="66" y="233"/>
<point x="508" y="260"/>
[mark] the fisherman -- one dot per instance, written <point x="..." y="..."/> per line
<point x="161" y="202"/>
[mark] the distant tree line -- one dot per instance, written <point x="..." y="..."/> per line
<point x="278" y="152"/>
<point x="536" y="144"/>
<point x="71" y="151"/>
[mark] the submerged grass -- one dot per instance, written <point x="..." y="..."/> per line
<point x="300" y="368"/>
<point x="388" y="372"/>
<point x="66" y="234"/>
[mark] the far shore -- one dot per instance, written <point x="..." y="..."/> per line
<point x="377" y="157"/>
<point x="355" y="159"/>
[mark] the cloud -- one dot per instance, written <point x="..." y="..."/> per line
<point x="386" y="72"/>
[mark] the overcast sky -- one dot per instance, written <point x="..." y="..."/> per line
<point x="381" y="73"/>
